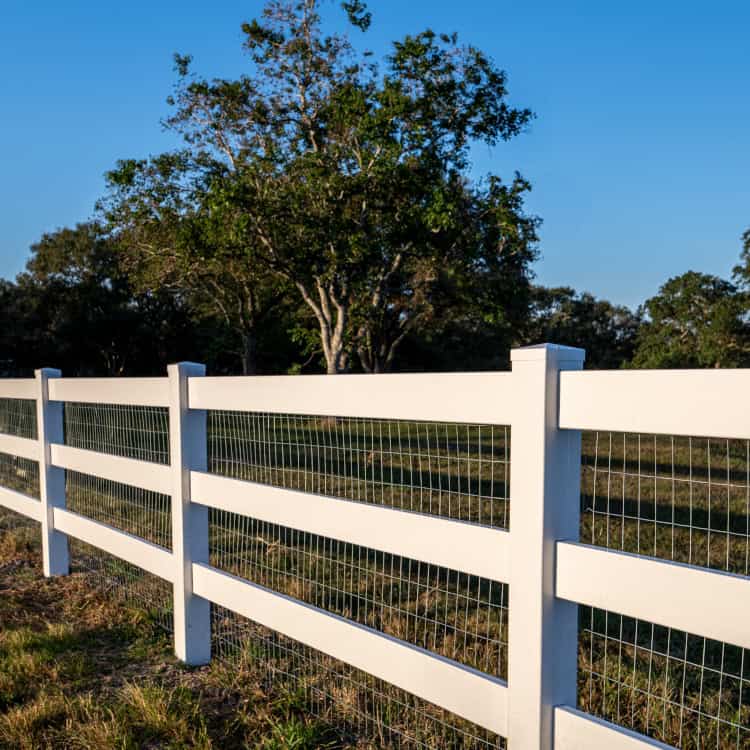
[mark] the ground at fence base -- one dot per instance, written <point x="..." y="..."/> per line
<point x="79" y="670"/>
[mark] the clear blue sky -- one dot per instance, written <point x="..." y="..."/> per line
<point x="640" y="156"/>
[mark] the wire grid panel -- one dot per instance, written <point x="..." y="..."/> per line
<point x="127" y="582"/>
<point x="681" y="498"/>
<point x="374" y="714"/>
<point x="140" y="432"/>
<point x="18" y="417"/>
<point x="12" y="521"/>
<point x="682" y="689"/>
<point x="19" y="474"/>
<point x="685" y="499"/>
<point x="450" y="470"/>
<point x="140" y="512"/>
<point x="459" y="616"/>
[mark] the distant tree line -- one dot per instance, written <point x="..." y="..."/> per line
<point x="320" y="216"/>
<point x="77" y="308"/>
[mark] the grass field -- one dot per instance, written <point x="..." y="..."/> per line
<point x="80" y="669"/>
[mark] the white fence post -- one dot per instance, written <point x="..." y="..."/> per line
<point x="544" y="491"/>
<point x="188" y="450"/>
<point x="49" y="420"/>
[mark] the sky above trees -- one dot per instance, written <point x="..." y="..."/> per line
<point x="638" y="157"/>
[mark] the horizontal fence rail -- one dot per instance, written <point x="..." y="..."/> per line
<point x="18" y="389"/>
<point x="705" y="403"/>
<point x="145" y="474"/>
<point x="132" y="549"/>
<point x="575" y="730"/>
<point x="467" y="398"/>
<point x="121" y="391"/>
<point x="470" y="548"/>
<point x="658" y="591"/>
<point x="21" y="504"/>
<point x="389" y="589"/>
<point x="19" y="446"/>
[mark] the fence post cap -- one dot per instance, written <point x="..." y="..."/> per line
<point x="555" y="352"/>
<point x="191" y="369"/>
<point x="48" y="372"/>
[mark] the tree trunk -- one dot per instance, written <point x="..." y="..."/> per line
<point x="331" y="312"/>
<point x="336" y="360"/>
<point x="377" y="352"/>
<point x="249" y="352"/>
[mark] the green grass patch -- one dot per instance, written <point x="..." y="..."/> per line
<point x="82" y="671"/>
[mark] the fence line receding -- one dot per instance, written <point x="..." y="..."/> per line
<point x="550" y="557"/>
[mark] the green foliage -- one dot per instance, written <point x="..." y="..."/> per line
<point x="358" y="14"/>
<point x="320" y="175"/>
<point x="182" y="232"/>
<point x="696" y="320"/>
<point x="320" y="214"/>
<point x="295" y="734"/>
<point x="607" y="332"/>
<point x="742" y="269"/>
<point x="76" y="309"/>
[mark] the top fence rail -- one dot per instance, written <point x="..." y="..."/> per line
<point x="468" y="398"/>
<point x="124" y="391"/>
<point x="25" y="389"/>
<point x="121" y="391"/>
<point x="698" y="403"/>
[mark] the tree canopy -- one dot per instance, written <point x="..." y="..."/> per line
<point x="696" y="320"/>
<point x="342" y="179"/>
<point x="607" y="332"/>
<point x="74" y="308"/>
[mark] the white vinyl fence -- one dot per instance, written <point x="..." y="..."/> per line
<point x="546" y="401"/>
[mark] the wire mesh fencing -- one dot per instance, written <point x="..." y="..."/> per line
<point x="373" y="713"/>
<point x="18" y="417"/>
<point x="140" y="512"/>
<point x="19" y="474"/>
<point x="24" y="529"/>
<point x="123" y="581"/>
<point x="140" y="432"/>
<point x="685" y="499"/>
<point x="449" y="470"/>
<point x="459" y="616"/>
<point x="682" y="689"/>
<point x="681" y="498"/>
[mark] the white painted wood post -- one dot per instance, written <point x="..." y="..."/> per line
<point x="49" y="420"/>
<point x="188" y="450"/>
<point x="544" y="492"/>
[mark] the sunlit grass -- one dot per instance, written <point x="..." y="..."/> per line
<point x="79" y="670"/>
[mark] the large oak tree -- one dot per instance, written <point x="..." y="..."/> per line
<point x="345" y="180"/>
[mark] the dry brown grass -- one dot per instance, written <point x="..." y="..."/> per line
<point x="81" y="671"/>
